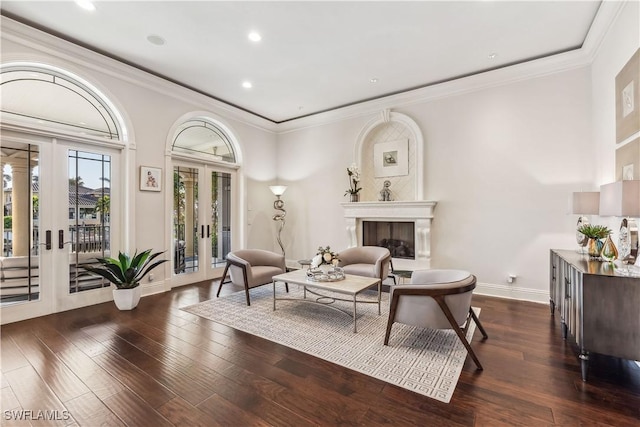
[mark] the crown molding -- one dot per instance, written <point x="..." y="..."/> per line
<point x="582" y="57"/>
<point x="48" y="44"/>
<point x="607" y="14"/>
<point x="489" y="79"/>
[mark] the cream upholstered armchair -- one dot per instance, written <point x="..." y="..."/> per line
<point x="252" y="267"/>
<point x="436" y="299"/>
<point x="369" y="261"/>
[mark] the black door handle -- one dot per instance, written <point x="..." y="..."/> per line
<point x="208" y="233"/>
<point x="202" y="231"/>
<point x="48" y="240"/>
<point x="60" y="239"/>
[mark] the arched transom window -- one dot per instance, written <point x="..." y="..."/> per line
<point x="203" y="139"/>
<point x="34" y="94"/>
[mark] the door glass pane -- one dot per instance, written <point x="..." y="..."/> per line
<point x="185" y="219"/>
<point x="19" y="261"/>
<point x="89" y="216"/>
<point x="220" y="218"/>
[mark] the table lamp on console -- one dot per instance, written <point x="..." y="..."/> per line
<point x="622" y="199"/>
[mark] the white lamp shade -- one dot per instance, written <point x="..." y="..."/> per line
<point x="278" y="190"/>
<point x="586" y="203"/>
<point x="620" y="198"/>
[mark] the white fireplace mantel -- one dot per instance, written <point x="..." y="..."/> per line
<point x="419" y="212"/>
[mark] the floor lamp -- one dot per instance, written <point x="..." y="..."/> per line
<point x="278" y="204"/>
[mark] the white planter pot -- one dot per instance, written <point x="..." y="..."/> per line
<point x="127" y="299"/>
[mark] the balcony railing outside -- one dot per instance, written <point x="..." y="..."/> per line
<point x="84" y="238"/>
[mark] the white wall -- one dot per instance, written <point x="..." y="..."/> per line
<point x="500" y="162"/>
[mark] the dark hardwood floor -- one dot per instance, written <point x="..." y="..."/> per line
<point x="160" y="366"/>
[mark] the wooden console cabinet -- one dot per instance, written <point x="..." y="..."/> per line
<point x="598" y="307"/>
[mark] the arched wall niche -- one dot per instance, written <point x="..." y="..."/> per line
<point x="389" y="127"/>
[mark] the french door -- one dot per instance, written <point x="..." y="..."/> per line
<point x="57" y="204"/>
<point x="203" y="198"/>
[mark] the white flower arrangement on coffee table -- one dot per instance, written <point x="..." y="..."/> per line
<point x="325" y="256"/>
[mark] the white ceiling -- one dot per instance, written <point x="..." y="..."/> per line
<point x="314" y="56"/>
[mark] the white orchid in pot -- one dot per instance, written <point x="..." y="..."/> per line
<point x="354" y="178"/>
<point x="125" y="273"/>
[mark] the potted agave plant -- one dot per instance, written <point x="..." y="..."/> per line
<point x="125" y="273"/>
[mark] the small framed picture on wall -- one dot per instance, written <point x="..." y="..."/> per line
<point x="628" y="99"/>
<point x="628" y="161"/>
<point x="391" y="158"/>
<point x="150" y="178"/>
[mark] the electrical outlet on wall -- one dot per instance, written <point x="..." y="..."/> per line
<point x="511" y="278"/>
<point x="150" y="276"/>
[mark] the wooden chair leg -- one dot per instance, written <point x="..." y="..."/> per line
<point x="224" y="274"/>
<point x="445" y="309"/>
<point x="245" y="277"/>
<point x="246" y="291"/>
<point x="475" y="319"/>
<point x="392" y="316"/>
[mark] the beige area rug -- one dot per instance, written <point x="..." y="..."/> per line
<point x="425" y="361"/>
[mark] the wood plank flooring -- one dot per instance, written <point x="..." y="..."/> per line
<point x="160" y="366"/>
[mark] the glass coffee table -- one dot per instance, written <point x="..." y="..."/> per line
<point x="350" y="286"/>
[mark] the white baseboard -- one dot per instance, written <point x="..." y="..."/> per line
<point x="512" y="292"/>
<point x="153" y="288"/>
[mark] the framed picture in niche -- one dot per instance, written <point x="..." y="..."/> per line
<point x="150" y="178"/>
<point x="628" y="99"/>
<point x="391" y="158"/>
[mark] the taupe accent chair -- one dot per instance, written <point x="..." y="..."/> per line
<point x="368" y="261"/>
<point x="251" y="268"/>
<point x="436" y="299"/>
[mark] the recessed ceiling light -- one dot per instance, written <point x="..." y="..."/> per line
<point x="373" y="80"/>
<point x="86" y="4"/>
<point x="254" y="36"/>
<point x="155" y="39"/>
<point x="247" y="85"/>
<point x="492" y="55"/>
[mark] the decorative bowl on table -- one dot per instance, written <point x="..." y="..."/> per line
<point x="332" y="274"/>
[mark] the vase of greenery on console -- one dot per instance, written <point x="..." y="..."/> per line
<point x="125" y="273"/>
<point x="595" y="234"/>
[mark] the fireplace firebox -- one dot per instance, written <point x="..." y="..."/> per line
<point x="397" y="236"/>
<point x="418" y="213"/>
